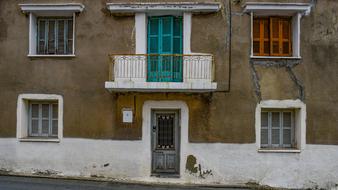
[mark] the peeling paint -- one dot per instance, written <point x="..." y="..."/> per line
<point x="196" y="169"/>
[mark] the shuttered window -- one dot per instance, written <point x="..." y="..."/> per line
<point x="272" y="36"/>
<point x="43" y="119"/>
<point x="55" y="36"/>
<point x="277" y="129"/>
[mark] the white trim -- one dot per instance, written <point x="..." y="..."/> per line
<point x="22" y="114"/>
<point x="56" y="55"/>
<point x="195" y="86"/>
<point x="170" y="6"/>
<point x="187" y="33"/>
<point x="278" y="151"/>
<point x="287" y="8"/>
<point x="273" y="57"/>
<point x="300" y="121"/>
<point x="61" y="8"/>
<point x="39" y="140"/>
<point x="141" y="33"/>
<point x="183" y="125"/>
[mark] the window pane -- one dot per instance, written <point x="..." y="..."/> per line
<point x="287" y="136"/>
<point x="154" y="26"/>
<point x="35" y="126"/>
<point x="35" y="110"/>
<point x="177" y="45"/>
<point x="41" y="40"/>
<point x="275" y="136"/>
<point x="61" y="37"/>
<point x="55" y="127"/>
<point x="51" y="37"/>
<point x="177" y="26"/>
<point x="287" y="119"/>
<point x="166" y="44"/>
<point x="45" y="110"/>
<point x="256" y="27"/>
<point x="267" y="47"/>
<point x="45" y="126"/>
<point x="70" y="37"/>
<point x="275" y="27"/>
<point x="166" y="25"/>
<point x="264" y="136"/>
<point x="286" y="48"/>
<point x="55" y="111"/>
<point x="275" y="119"/>
<point x="264" y="119"/>
<point x="256" y="47"/>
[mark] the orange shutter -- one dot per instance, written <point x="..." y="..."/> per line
<point x="286" y="37"/>
<point x="280" y="36"/>
<point x="261" y="37"/>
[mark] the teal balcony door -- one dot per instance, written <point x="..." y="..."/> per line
<point x="165" y="49"/>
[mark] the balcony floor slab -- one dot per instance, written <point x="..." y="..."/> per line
<point x="132" y="86"/>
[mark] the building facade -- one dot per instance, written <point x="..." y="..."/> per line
<point x="203" y="92"/>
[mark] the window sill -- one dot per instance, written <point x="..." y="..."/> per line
<point x="47" y="56"/>
<point x="274" y="57"/>
<point x="279" y="150"/>
<point x="56" y="140"/>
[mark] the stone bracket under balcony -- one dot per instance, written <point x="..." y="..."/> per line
<point x="149" y="73"/>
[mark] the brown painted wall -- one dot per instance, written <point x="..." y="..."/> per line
<point x="92" y="112"/>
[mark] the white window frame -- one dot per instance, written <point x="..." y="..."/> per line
<point x="294" y="10"/>
<point x="22" y="124"/>
<point x="49" y="10"/>
<point x="299" y="123"/>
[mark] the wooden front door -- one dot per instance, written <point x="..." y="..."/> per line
<point x="165" y="143"/>
<point x="165" y="49"/>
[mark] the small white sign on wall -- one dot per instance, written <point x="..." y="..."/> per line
<point x="127" y="115"/>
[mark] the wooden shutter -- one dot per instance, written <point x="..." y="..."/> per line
<point x="261" y="45"/>
<point x="280" y="36"/>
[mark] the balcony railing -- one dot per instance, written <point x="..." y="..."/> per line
<point x="159" y="70"/>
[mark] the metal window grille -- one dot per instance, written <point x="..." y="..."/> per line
<point x="55" y="36"/>
<point x="277" y="129"/>
<point x="43" y="119"/>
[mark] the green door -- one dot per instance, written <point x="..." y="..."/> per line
<point x="165" y="49"/>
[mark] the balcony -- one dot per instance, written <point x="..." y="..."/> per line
<point x="161" y="73"/>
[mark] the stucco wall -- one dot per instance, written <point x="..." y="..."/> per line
<point x="92" y="112"/>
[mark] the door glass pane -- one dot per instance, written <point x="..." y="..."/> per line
<point x="177" y="27"/>
<point x="166" y="25"/>
<point x="153" y="26"/>
<point x="153" y="46"/>
<point x="166" y="44"/>
<point x="165" y="132"/>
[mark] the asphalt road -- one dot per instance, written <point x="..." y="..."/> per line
<point x="28" y="183"/>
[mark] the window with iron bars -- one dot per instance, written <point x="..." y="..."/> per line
<point x="55" y="36"/>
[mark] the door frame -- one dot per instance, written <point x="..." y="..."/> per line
<point x="177" y="129"/>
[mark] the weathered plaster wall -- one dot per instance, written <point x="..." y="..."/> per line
<point x="92" y="112"/>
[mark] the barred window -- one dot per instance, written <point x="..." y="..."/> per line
<point x="55" y="36"/>
<point x="43" y="119"/>
<point x="272" y="36"/>
<point x="277" y="129"/>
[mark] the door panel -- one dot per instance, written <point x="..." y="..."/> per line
<point x="165" y="39"/>
<point x="165" y="143"/>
